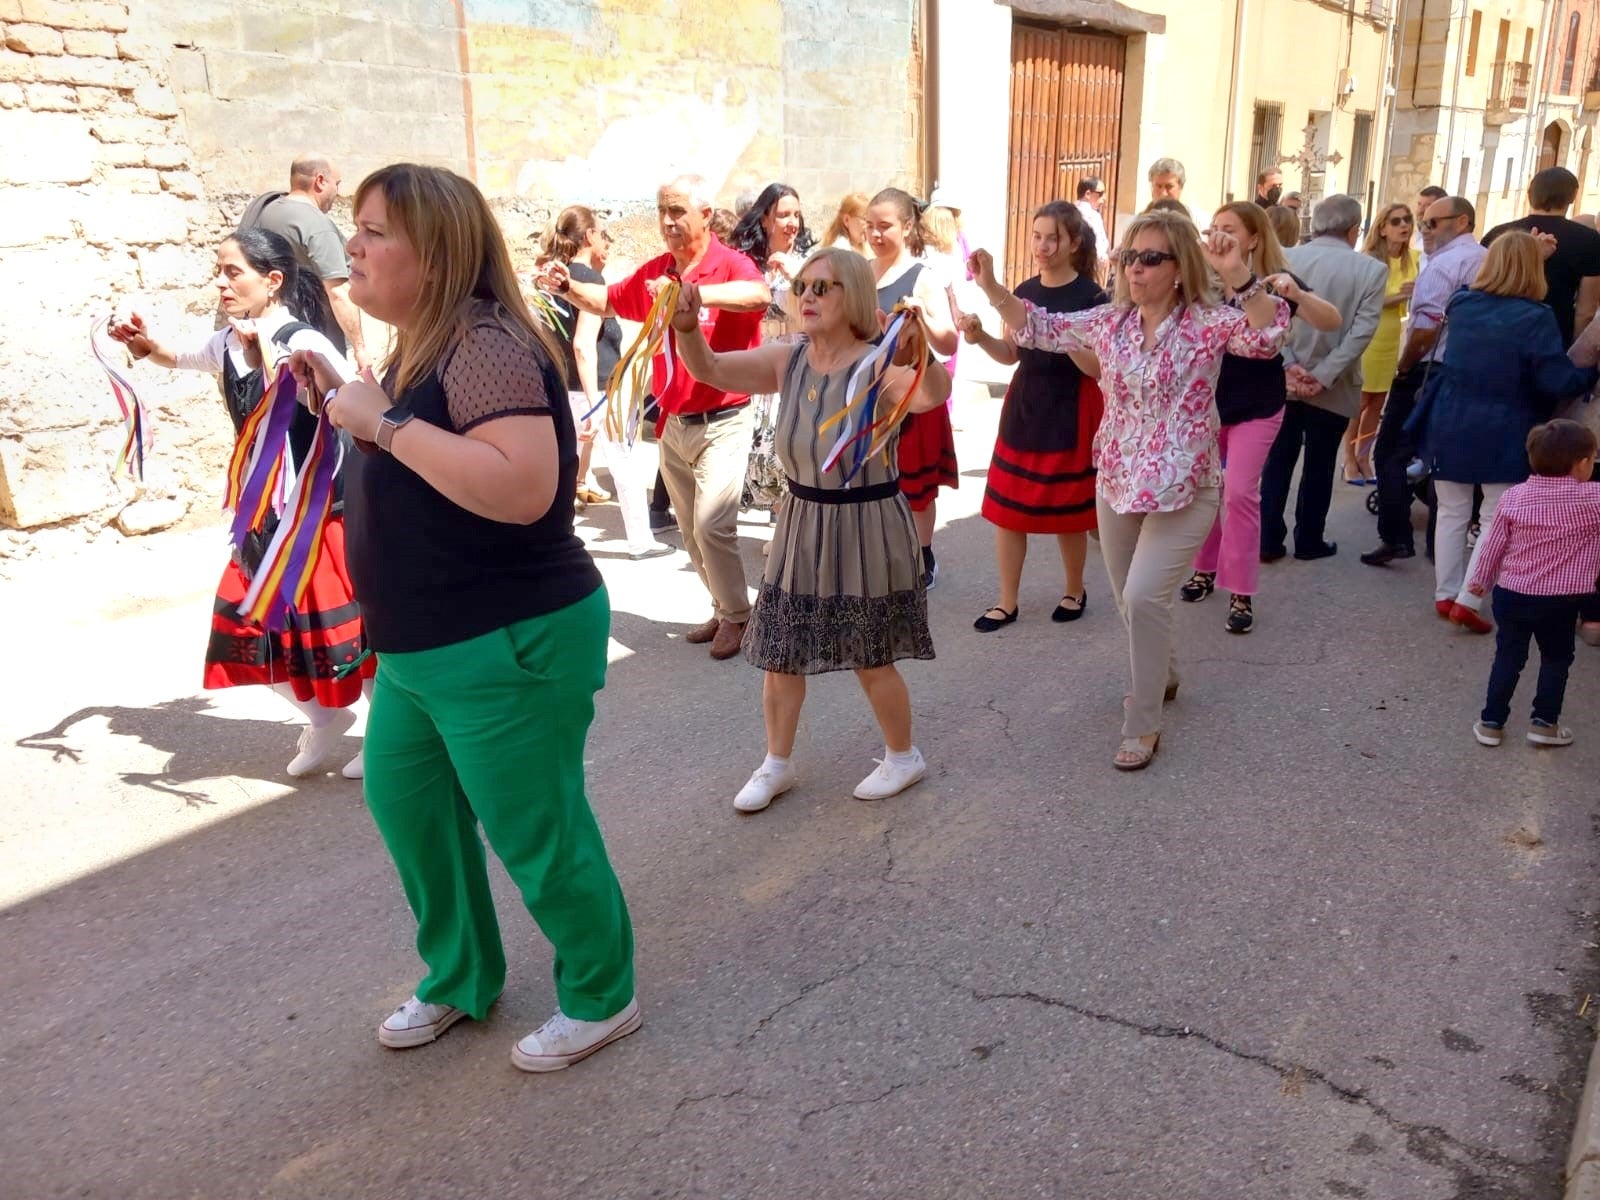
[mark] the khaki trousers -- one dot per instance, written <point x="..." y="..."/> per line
<point x="703" y="467"/>
<point x="1147" y="556"/>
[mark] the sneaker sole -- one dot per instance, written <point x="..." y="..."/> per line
<point x="420" y="1035"/>
<point x="557" y="1062"/>
<point x="1542" y="739"/>
<point x="1488" y="737"/>
<point x="920" y="776"/>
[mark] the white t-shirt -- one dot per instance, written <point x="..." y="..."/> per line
<point x="1091" y="218"/>
<point x="208" y="355"/>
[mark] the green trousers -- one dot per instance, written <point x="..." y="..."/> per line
<point x="491" y="731"/>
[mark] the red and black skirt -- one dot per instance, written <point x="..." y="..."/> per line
<point x="322" y="636"/>
<point x="1045" y="491"/>
<point x="927" y="457"/>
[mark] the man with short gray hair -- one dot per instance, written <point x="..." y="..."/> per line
<point x="1324" y="370"/>
<point x="1167" y="178"/>
<point x="704" y="433"/>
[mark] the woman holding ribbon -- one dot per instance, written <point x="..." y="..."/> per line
<point x="272" y="305"/>
<point x="927" y="442"/>
<point x="843" y="586"/>
<point x="489" y="616"/>
<point x="1160" y="343"/>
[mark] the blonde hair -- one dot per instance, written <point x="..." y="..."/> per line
<point x="1375" y="246"/>
<point x="853" y="205"/>
<point x="940" y="229"/>
<point x="1514" y="266"/>
<point x="1267" y="258"/>
<point x="462" y="261"/>
<point x="1183" y="240"/>
<point x="860" y="289"/>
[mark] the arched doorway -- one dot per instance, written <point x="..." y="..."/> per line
<point x="1553" y="149"/>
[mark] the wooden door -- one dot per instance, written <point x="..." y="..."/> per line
<point x="1066" y="124"/>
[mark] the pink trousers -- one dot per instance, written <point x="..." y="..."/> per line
<point x="1233" y="550"/>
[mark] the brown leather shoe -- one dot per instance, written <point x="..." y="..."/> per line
<point x="726" y="643"/>
<point x="703" y="633"/>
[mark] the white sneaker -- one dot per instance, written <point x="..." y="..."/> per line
<point x="765" y="786"/>
<point x="356" y="768"/>
<point x="562" y="1041"/>
<point x="892" y="778"/>
<point x="416" y="1024"/>
<point x="653" y="550"/>
<point x="318" y="742"/>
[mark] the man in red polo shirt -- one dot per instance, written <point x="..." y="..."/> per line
<point x="705" y="441"/>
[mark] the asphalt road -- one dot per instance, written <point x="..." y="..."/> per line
<point x="1325" y="947"/>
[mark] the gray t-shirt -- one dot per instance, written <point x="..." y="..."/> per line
<point x="317" y="242"/>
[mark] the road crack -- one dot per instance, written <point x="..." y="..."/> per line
<point x="805" y="991"/>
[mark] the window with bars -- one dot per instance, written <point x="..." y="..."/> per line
<point x="1360" y="151"/>
<point x="1569" y="61"/>
<point x="1266" y="136"/>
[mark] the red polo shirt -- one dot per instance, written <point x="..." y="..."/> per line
<point x="722" y="330"/>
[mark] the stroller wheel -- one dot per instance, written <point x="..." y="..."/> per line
<point x="1372" y="501"/>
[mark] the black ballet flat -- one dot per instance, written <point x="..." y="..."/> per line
<point x="1063" y="613"/>
<point x="987" y="624"/>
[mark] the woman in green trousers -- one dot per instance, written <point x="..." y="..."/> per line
<point x="488" y="616"/>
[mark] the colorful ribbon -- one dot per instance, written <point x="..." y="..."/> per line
<point x="630" y="381"/>
<point x="262" y="480"/>
<point x="865" y="430"/>
<point x="547" y="310"/>
<point x="133" y="417"/>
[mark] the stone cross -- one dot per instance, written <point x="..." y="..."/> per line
<point x="1309" y="158"/>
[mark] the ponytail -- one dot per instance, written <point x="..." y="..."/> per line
<point x="909" y="209"/>
<point x="566" y="237"/>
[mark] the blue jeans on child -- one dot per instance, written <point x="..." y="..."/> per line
<point x="1546" y="620"/>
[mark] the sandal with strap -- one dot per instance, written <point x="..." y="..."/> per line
<point x="1134" y="755"/>
<point x="1063" y="613"/>
<point x="988" y="624"/>
<point x="1201" y="584"/>
<point x="1241" y="616"/>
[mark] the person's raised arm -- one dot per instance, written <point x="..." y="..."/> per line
<point x="1029" y="325"/>
<point x="554" y="277"/>
<point x="737" y="295"/>
<point x="1002" y="349"/>
<point x="1311" y="308"/>
<point x="926" y="296"/>
<point x="348" y="316"/>
<point x="755" y="371"/>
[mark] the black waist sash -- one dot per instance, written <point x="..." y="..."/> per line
<point x="855" y="495"/>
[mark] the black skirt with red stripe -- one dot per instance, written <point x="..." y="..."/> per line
<point x="324" y="635"/>
<point x="1045" y="491"/>
<point x="927" y="457"/>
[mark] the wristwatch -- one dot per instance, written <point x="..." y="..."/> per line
<point x="388" y="424"/>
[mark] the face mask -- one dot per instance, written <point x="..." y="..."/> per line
<point x="1273" y="194"/>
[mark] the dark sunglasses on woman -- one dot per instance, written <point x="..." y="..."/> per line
<point x="1146" y="258"/>
<point x="818" y="287"/>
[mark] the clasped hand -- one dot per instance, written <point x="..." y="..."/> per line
<point x="359" y="403"/>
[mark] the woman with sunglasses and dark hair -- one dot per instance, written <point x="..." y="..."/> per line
<point x="1160" y="344"/>
<point x="1041" y="477"/>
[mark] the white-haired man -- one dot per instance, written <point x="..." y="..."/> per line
<point x="705" y="433"/>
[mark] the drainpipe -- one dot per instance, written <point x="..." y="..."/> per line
<point x="1388" y="94"/>
<point x="1234" y="84"/>
<point x="1534" y="137"/>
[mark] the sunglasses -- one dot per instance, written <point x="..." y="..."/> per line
<point x="817" y="287"/>
<point x="1433" y="222"/>
<point x="1145" y="258"/>
<point x="1399" y="220"/>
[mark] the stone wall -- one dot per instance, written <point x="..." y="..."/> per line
<point x="136" y="133"/>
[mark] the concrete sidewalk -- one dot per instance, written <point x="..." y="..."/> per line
<point x="1325" y="946"/>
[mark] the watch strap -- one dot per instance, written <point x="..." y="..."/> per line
<point x="388" y="424"/>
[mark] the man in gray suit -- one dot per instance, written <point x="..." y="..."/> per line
<point x="1324" y="377"/>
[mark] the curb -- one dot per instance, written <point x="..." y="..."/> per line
<point x="1583" y="1160"/>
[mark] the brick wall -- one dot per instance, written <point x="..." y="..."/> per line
<point x="136" y="133"/>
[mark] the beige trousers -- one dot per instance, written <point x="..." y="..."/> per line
<point x="703" y="467"/>
<point x="1147" y="556"/>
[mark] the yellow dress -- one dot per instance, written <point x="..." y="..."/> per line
<point x="1383" y="352"/>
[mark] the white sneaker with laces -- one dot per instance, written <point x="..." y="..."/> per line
<point x="356" y="768"/>
<point x="766" y="784"/>
<point x="562" y="1040"/>
<point x="318" y="742"/>
<point x="416" y="1024"/>
<point x="891" y="778"/>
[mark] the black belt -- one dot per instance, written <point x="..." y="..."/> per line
<point x="716" y="414"/>
<point x="855" y="495"/>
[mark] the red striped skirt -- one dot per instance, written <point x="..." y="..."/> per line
<point x="1031" y="491"/>
<point x="927" y="457"/>
<point x="322" y="636"/>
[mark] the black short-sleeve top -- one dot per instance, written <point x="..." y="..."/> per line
<point x="1252" y="389"/>
<point x="427" y="572"/>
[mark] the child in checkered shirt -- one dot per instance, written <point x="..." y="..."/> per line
<point x="1541" y="555"/>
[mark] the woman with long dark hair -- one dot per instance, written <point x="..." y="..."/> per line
<point x="927" y="443"/>
<point x="273" y="306"/>
<point x="1041" y="478"/>
<point x="490" y="618"/>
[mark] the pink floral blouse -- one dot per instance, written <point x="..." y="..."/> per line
<point x="1157" y="444"/>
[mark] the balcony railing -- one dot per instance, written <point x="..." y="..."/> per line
<point x="1508" y="90"/>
